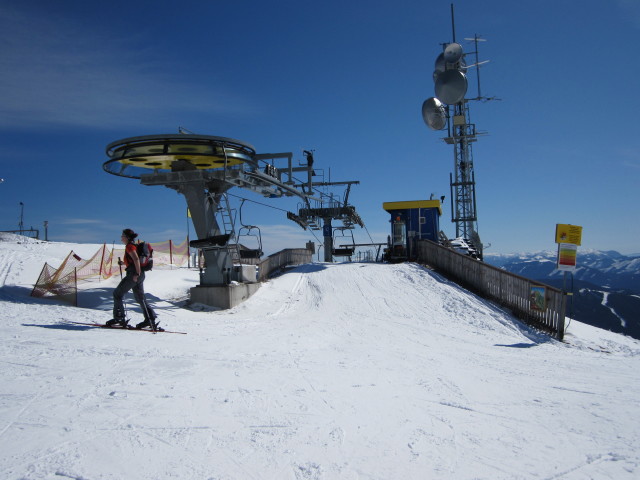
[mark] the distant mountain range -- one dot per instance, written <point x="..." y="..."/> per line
<point x="605" y="285"/>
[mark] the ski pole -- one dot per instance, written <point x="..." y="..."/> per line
<point x="152" y="322"/>
<point x="143" y="304"/>
<point x="124" y="302"/>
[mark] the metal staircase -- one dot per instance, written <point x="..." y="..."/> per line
<point x="228" y="225"/>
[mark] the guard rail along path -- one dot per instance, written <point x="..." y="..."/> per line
<point x="505" y="288"/>
<point x="288" y="256"/>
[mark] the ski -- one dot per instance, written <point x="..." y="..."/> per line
<point x="148" y="330"/>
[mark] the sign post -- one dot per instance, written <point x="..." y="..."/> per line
<point x="568" y="238"/>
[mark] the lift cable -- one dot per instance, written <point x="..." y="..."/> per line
<point x="259" y="203"/>
<point x="368" y="234"/>
<point x="275" y="208"/>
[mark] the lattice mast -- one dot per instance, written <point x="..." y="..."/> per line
<point x="462" y="181"/>
<point x="450" y="109"/>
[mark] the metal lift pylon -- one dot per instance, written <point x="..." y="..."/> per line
<point x="203" y="168"/>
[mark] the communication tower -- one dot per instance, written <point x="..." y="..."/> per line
<point x="449" y="110"/>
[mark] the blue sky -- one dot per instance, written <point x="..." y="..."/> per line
<point x="346" y="79"/>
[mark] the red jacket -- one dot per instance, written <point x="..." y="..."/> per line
<point x="128" y="258"/>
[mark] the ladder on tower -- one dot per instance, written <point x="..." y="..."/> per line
<point x="228" y="225"/>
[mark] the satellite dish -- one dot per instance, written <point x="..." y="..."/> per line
<point x="434" y="113"/>
<point x="449" y="61"/>
<point x="451" y="86"/>
<point x="452" y="53"/>
<point x="440" y="65"/>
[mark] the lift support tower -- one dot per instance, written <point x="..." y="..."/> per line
<point x="203" y="168"/>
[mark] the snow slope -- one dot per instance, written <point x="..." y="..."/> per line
<point x="331" y="371"/>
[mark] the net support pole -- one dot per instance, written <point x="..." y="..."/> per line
<point x="75" y="284"/>
<point x="104" y="247"/>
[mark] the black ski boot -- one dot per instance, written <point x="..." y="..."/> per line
<point x="117" y="322"/>
<point x="151" y="323"/>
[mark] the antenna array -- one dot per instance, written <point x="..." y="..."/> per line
<point x="449" y="110"/>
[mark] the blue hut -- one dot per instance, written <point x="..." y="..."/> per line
<point x="411" y="221"/>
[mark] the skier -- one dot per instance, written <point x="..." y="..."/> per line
<point x="134" y="279"/>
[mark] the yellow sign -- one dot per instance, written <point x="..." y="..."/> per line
<point x="568" y="234"/>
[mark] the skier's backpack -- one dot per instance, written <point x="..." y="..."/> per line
<point x="145" y="254"/>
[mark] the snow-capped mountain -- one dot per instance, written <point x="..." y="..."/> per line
<point x="607" y="269"/>
<point x="605" y="285"/>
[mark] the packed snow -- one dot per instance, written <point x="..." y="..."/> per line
<point x="330" y="371"/>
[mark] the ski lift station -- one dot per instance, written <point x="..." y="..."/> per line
<point x="203" y="168"/>
<point x="411" y="221"/>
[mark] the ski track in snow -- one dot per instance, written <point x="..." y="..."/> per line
<point x="330" y="371"/>
<point x="605" y="303"/>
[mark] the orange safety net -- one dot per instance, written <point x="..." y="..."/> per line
<point x="53" y="284"/>
<point x="99" y="265"/>
<point x="168" y="253"/>
<point x="62" y="282"/>
<point x="165" y="254"/>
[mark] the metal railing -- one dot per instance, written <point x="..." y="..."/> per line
<point x="283" y="258"/>
<point x="505" y="288"/>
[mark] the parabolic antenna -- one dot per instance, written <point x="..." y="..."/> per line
<point x="434" y="113"/>
<point x="452" y="61"/>
<point x="452" y="53"/>
<point x="440" y="65"/>
<point x="451" y="86"/>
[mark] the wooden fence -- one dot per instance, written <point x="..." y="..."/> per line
<point x="507" y="289"/>
<point x="283" y="258"/>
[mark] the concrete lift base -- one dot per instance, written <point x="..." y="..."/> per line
<point x="224" y="297"/>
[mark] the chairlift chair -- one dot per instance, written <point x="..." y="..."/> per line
<point x="252" y="233"/>
<point x="344" y="250"/>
